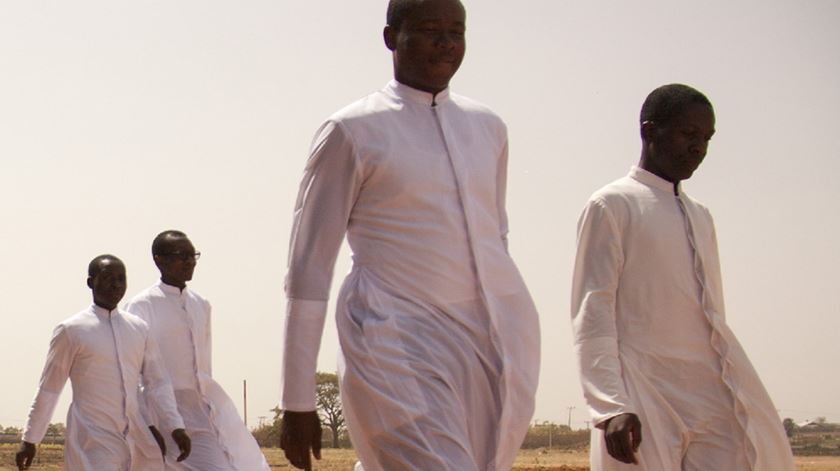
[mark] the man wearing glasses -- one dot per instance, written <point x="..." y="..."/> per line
<point x="179" y="319"/>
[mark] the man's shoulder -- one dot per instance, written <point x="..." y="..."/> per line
<point x="697" y="205"/>
<point x="81" y="318"/>
<point x="199" y="298"/>
<point x="134" y="320"/>
<point x="617" y="190"/>
<point x="147" y="295"/>
<point x="367" y="106"/>
<point x="475" y="108"/>
<point x="193" y="293"/>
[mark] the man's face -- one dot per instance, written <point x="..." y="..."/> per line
<point x="677" y="148"/>
<point x="109" y="284"/>
<point x="176" y="261"/>
<point x="429" y="45"/>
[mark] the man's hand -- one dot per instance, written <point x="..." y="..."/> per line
<point x="623" y="434"/>
<point x="183" y="441"/>
<point x="159" y="439"/>
<point x="23" y="458"/>
<point x="299" y="432"/>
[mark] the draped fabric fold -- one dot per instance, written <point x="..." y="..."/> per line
<point x="180" y="320"/>
<point x="106" y="355"/>
<point x="439" y="336"/>
<point x="651" y="337"/>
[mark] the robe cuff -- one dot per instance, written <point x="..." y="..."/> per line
<point x="39" y="416"/>
<point x="602" y="379"/>
<point x="164" y="408"/>
<point x="304" y="327"/>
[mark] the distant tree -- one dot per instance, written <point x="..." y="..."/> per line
<point x="12" y="430"/>
<point x="820" y="420"/>
<point x="56" y="429"/>
<point x="329" y="405"/>
<point x="268" y="435"/>
<point x="790" y="427"/>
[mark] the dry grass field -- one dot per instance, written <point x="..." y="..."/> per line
<point x="342" y="460"/>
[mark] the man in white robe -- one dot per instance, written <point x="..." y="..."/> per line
<point x="439" y="335"/>
<point x="657" y="359"/>
<point x="105" y="353"/>
<point x="179" y="319"/>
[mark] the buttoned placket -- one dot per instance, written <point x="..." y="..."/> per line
<point x="188" y="319"/>
<point x="120" y="368"/>
<point x="461" y="176"/>
<point x="739" y="409"/>
<point x="183" y="302"/>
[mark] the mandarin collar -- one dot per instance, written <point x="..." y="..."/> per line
<point x="647" y="178"/>
<point x="101" y="312"/>
<point x="169" y="289"/>
<point x="406" y="93"/>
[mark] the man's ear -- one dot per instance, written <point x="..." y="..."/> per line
<point x="389" y="34"/>
<point x="648" y="130"/>
<point x="90" y="282"/>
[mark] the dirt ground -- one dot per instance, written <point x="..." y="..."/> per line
<point x="343" y="460"/>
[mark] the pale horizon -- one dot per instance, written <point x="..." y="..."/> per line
<point x="122" y="119"/>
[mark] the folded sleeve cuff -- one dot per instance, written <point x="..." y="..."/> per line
<point x="602" y="379"/>
<point x="302" y="339"/>
<point x="39" y="416"/>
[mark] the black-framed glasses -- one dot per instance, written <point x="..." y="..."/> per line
<point x="182" y="256"/>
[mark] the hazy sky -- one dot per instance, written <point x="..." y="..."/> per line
<point x="120" y="119"/>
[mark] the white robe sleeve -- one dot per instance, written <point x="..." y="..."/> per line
<point x="328" y="192"/>
<point x="598" y="265"/>
<point x="157" y="389"/>
<point x="56" y="371"/>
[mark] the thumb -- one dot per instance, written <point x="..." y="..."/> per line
<point x="637" y="435"/>
<point x="316" y="448"/>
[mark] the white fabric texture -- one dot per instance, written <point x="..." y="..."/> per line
<point x="439" y="335"/>
<point x="105" y="355"/>
<point x="651" y="338"/>
<point x="180" y="321"/>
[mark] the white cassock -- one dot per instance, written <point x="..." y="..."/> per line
<point x="180" y="322"/>
<point x="439" y="336"/>
<point x="650" y="335"/>
<point x="105" y="355"/>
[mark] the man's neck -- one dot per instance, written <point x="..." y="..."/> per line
<point x="180" y="286"/>
<point x="645" y="164"/>
<point x="109" y="309"/>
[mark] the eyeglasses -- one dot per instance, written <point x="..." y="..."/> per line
<point x="182" y="256"/>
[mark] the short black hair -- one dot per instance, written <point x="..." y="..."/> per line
<point x="668" y="101"/>
<point x="159" y="245"/>
<point x="94" y="265"/>
<point x="398" y="10"/>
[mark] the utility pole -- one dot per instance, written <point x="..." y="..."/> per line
<point x="245" y="401"/>
<point x="570" y="416"/>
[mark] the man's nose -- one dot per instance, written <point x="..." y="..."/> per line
<point x="699" y="147"/>
<point x="445" y="40"/>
